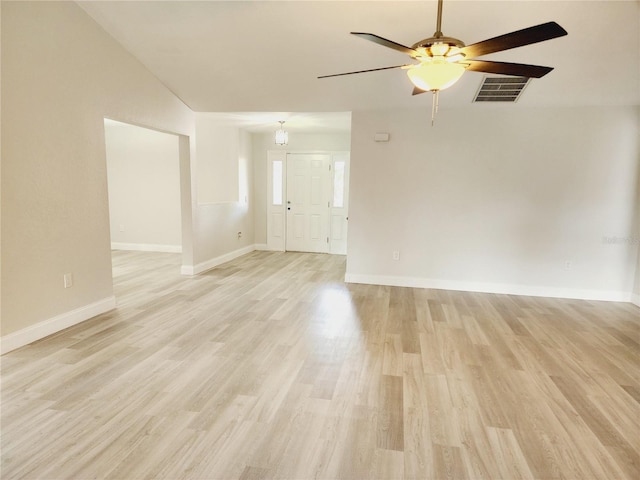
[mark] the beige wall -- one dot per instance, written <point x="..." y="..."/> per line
<point x="143" y="171"/>
<point x="218" y="153"/>
<point x="61" y="74"/>
<point x="496" y="199"/>
<point x="636" y="238"/>
<point x="636" y="287"/>
<point x="0" y="172"/>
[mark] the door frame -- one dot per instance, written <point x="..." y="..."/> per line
<point x="185" y="145"/>
<point x="277" y="214"/>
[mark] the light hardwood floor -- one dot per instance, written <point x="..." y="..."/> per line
<point x="271" y="367"/>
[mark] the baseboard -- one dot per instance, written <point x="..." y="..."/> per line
<point x="146" y="247"/>
<point x="635" y="299"/>
<point x="214" y="262"/>
<point x="507" y="289"/>
<point x="266" y="248"/>
<point x="45" y="328"/>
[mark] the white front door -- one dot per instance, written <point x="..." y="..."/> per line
<point x="308" y="202"/>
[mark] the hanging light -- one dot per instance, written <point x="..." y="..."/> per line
<point x="438" y="68"/>
<point x="282" y="137"/>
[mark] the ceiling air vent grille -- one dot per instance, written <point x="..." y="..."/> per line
<point x="501" y="89"/>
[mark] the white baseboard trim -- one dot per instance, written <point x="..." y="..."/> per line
<point x="507" y="289"/>
<point x="146" y="247"/>
<point x="45" y="328"/>
<point x="214" y="262"/>
<point x="635" y="299"/>
<point x="261" y="246"/>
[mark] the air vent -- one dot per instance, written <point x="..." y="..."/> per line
<point x="501" y="89"/>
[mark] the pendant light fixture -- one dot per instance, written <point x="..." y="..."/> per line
<point x="282" y="137"/>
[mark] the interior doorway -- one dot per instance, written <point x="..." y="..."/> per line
<point x="308" y="201"/>
<point x="149" y="205"/>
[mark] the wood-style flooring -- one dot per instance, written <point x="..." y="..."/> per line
<point x="270" y="366"/>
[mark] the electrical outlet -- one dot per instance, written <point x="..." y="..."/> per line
<point x="567" y="265"/>
<point x="396" y="255"/>
<point x="239" y="235"/>
<point x="121" y="227"/>
<point x="68" y="280"/>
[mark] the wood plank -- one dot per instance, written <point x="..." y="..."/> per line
<point x="270" y="366"/>
<point x="390" y="422"/>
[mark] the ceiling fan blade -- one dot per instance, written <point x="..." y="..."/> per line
<point x="504" y="68"/>
<point x="520" y="38"/>
<point x="385" y="43"/>
<point x="362" y="71"/>
<point x="418" y="91"/>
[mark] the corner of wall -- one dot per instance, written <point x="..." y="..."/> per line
<point x="214" y="262"/>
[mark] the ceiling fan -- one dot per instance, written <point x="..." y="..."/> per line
<point x="442" y="60"/>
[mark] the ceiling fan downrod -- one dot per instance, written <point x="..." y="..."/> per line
<point x="438" y="33"/>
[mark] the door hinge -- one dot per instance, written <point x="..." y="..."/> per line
<point x="327" y="239"/>
<point x="328" y="204"/>
<point x="329" y="167"/>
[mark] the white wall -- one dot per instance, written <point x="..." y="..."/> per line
<point x="298" y="142"/>
<point x="143" y="172"/>
<point x="218" y="152"/>
<point x="217" y="224"/>
<point x="495" y="199"/>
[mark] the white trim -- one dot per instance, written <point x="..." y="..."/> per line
<point x="146" y="247"/>
<point x="53" y="325"/>
<point x="214" y="262"/>
<point x="501" y="288"/>
<point x="267" y="248"/>
<point x="187" y="270"/>
<point x="635" y="299"/>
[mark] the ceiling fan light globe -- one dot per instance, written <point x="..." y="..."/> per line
<point x="435" y="75"/>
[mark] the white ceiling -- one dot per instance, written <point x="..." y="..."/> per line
<point x="316" y="122"/>
<point x="264" y="56"/>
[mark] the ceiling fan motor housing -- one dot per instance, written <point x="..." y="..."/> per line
<point x="453" y="44"/>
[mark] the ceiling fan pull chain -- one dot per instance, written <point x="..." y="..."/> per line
<point x="434" y="106"/>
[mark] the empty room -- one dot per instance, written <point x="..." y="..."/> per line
<point x="320" y="239"/>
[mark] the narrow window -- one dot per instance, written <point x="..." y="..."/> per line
<point x="338" y="184"/>
<point x="277" y="182"/>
